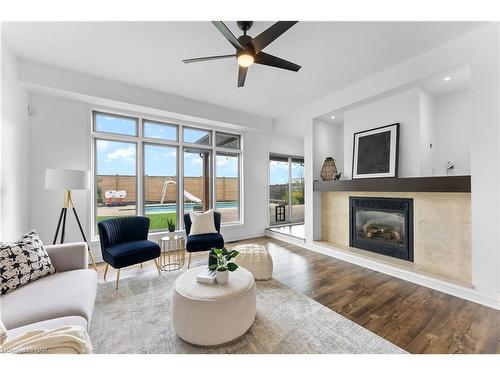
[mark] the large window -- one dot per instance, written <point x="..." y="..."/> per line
<point x="162" y="170"/>
<point x="116" y="179"/>
<point x="196" y="180"/>
<point x="160" y="185"/>
<point x="227" y="166"/>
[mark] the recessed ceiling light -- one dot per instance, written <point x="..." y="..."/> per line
<point x="332" y="117"/>
<point x="447" y="78"/>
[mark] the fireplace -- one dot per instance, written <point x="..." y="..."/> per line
<point x="382" y="225"/>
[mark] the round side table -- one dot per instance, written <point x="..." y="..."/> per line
<point x="172" y="253"/>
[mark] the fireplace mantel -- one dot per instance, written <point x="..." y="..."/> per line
<point x="441" y="184"/>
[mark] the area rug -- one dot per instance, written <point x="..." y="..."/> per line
<point x="137" y="319"/>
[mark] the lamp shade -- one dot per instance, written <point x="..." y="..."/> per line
<point x="66" y="179"/>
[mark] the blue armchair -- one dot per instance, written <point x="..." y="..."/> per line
<point x="203" y="242"/>
<point x="124" y="242"/>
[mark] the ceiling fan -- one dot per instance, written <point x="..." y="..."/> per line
<point x="249" y="50"/>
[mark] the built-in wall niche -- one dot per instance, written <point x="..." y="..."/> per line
<point x="434" y="134"/>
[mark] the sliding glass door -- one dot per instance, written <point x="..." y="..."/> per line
<point x="286" y="190"/>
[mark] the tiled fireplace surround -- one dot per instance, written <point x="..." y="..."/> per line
<point x="442" y="231"/>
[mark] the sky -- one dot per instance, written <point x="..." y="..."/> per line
<point x="278" y="172"/>
<point x="120" y="158"/>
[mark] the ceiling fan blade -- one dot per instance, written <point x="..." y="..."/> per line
<point x="227" y="34"/>
<point x="208" y="58"/>
<point x="242" y="74"/>
<point x="270" y="60"/>
<point x="269" y="35"/>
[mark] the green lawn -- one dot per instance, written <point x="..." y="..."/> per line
<point x="158" y="221"/>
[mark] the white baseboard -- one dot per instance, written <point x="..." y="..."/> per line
<point x="285" y="238"/>
<point x="460" y="291"/>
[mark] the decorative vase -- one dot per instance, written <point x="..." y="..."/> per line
<point x="222" y="277"/>
<point x="329" y="169"/>
<point x="171" y="235"/>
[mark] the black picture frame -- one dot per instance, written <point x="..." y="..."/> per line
<point x="379" y="149"/>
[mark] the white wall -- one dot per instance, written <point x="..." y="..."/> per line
<point x="328" y="142"/>
<point x="107" y="92"/>
<point x="403" y="108"/>
<point x="60" y="138"/>
<point x="426" y="137"/>
<point x="452" y="131"/>
<point x="481" y="50"/>
<point x="14" y="138"/>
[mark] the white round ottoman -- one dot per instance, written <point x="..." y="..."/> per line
<point x="256" y="259"/>
<point x="213" y="314"/>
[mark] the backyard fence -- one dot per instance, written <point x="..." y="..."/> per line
<point x="227" y="187"/>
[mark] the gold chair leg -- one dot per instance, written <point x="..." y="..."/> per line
<point x="117" y="278"/>
<point x="106" y="271"/>
<point x="157" y="266"/>
<point x="92" y="258"/>
<point x="189" y="262"/>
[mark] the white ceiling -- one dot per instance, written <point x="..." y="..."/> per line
<point x="332" y="54"/>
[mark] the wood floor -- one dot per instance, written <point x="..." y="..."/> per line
<point x="415" y="318"/>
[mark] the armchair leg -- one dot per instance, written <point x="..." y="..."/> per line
<point x="106" y="271"/>
<point x="92" y="258"/>
<point x="157" y="266"/>
<point x="189" y="262"/>
<point x="117" y="278"/>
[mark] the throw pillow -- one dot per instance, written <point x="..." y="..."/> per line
<point x="202" y="223"/>
<point x="23" y="261"/>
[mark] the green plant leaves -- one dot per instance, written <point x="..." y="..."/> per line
<point x="232" y="266"/>
<point x="218" y="252"/>
<point x="223" y="257"/>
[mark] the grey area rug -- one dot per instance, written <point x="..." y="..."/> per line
<point x="137" y="319"/>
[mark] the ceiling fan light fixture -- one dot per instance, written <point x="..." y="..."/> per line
<point x="245" y="59"/>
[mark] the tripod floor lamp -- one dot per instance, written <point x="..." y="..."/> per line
<point x="68" y="180"/>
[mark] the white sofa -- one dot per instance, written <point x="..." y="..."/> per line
<point x="64" y="298"/>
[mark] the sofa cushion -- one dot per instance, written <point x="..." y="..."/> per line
<point x="49" y="324"/>
<point x="23" y="261"/>
<point x="203" y="242"/>
<point x="129" y="253"/>
<point x="69" y="293"/>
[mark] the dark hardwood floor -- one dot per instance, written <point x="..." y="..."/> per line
<point x="416" y="318"/>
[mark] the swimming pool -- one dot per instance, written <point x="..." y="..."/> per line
<point x="171" y="207"/>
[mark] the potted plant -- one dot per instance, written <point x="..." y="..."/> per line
<point x="171" y="228"/>
<point x="224" y="264"/>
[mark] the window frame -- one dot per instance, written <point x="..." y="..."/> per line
<point x="238" y="154"/>
<point x="289" y="159"/>
<point x="144" y="144"/>
<point x="210" y="136"/>
<point x="225" y="133"/>
<point x="94" y="176"/>
<point x="180" y="145"/>
<point x="94" y="122"/>
<point x="145" y="120"/>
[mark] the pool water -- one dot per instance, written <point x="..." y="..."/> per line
<point x="171" y="207"/>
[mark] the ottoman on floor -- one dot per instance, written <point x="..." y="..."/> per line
<point x="256" y="259"/>
<point x="213" y="314"/>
